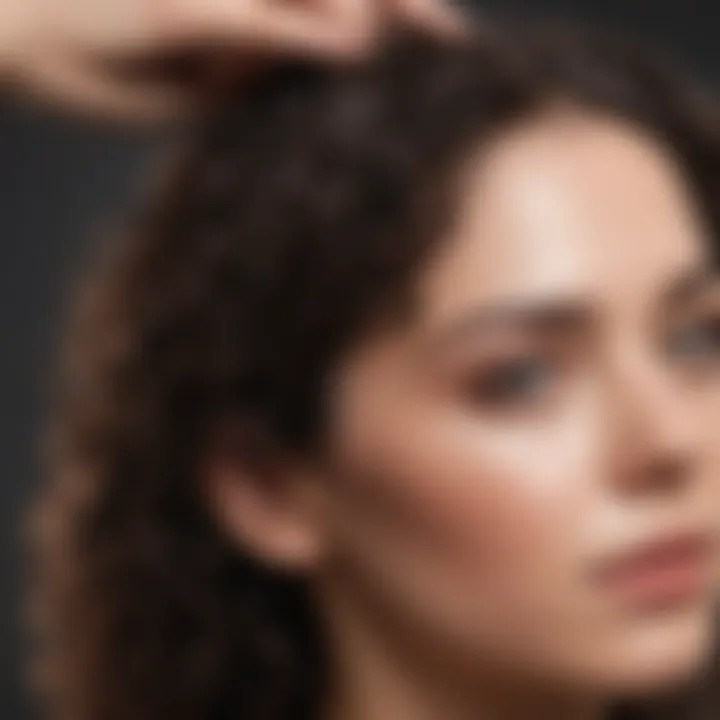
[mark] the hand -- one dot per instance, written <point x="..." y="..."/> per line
<point x="78" y="53"/>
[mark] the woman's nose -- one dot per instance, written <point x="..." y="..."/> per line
<point x="655" y="427"/>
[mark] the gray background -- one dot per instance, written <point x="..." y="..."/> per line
<point x="62" y="181"/>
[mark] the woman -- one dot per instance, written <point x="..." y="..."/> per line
<point x="401" y="403"/>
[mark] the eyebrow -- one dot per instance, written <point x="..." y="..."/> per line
<point x="561" y="316"/>
<point x="690" y="284"/>
<point x="557" y="316"/>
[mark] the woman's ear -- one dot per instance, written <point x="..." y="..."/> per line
<point x="267" y="503"/>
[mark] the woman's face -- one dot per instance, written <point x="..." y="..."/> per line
<point x="552" y="408"/>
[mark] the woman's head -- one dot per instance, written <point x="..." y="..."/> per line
<point x="402" y="364"/>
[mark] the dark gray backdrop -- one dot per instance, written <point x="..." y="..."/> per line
<point x="62" y="180"/>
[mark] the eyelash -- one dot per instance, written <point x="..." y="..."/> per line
<point x="709" y="349"/>
<point x="501" y="385"/>
<point x="528" y="379"/>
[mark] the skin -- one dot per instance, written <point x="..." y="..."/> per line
<point x="454" y="535"/>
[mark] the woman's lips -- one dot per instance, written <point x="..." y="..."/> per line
<point x="666" y="570"/>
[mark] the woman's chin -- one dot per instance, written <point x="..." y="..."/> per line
<point x="655" y="654"/>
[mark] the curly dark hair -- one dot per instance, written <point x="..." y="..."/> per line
<point x="296" y="219"/>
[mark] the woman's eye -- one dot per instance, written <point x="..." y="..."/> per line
<point x="697" y="341"/>
<point x="512" y="382"/>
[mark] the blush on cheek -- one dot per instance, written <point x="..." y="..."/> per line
<point x="475" y="516"/>
<point x="501" y="500"/>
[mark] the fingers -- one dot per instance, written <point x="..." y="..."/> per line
<point x="258" y="25"/>
<point x="364" y="17"/>
<point x="436" y="16"/>
<point x="334" y="28"/>
<point x="295" y="29"/>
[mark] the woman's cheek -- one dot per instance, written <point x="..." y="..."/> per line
<point x="476" y="504"/>
<point x="509" y="497"/>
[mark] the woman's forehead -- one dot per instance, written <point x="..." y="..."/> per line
<point x="568" y="204"/>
